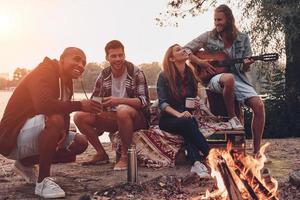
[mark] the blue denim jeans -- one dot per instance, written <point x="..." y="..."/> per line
<point x="188" y="129"/>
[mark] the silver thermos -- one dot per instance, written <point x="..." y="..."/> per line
<point x="132" y="165"/>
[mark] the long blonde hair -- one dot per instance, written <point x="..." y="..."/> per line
<point x="170" y="72"/>
<point x="231" y="27"/>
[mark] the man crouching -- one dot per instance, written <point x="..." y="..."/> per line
<point x="35" y="125"/>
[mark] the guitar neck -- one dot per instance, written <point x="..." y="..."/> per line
<point x="241" y="60"/>
<point x="220" y="59"/>
<point x="230" y="62"/>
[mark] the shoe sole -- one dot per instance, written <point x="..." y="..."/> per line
<point x="120" y="168"/>
<point x="206" y="176"/>
<point x="53" y="196"/>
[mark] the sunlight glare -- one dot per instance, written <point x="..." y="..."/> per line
<point x="6" y="24"/>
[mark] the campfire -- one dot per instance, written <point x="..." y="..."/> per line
<point x="240" y="176"/>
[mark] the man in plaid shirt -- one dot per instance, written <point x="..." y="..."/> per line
<point x="122" y="89"/>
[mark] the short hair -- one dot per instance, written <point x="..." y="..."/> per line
<point x="114" y="44"/>
<point x="68" y="50"/>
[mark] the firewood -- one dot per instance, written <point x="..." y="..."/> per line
<point x="250" y="176"/>
<point x="246" y="184"/>
<point x="232" y="189"/>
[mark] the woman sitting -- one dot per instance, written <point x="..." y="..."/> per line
<point x="177" y="82"/>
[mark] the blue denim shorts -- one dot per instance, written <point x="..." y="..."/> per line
<point x="27" y="141"/>
<point x="242" y="90"/>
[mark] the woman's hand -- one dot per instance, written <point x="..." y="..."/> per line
<point x="185" y="114"/>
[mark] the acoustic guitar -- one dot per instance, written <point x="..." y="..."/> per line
<point x="222" y="63"/>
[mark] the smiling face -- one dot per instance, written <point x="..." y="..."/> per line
<point x="220" y="21"/>
<point x="178" y="54"/>
<point x="73" y="62"/>
<point x="116" y="58"/>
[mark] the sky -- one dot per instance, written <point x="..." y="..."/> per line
<point x="33" y="29"/>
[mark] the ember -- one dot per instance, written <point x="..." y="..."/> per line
<point x="239" y="176"/>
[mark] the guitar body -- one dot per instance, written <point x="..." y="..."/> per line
<point x="222" y="62"/>
<point x="214" y="58"/>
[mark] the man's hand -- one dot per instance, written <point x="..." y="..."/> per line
<point x="204" y="64"/>
<point x="62" y="141"/>
<point x="91" y="106"/>
<point x="246" y="64"/>
<point x="208" y="68"/>
<point x="111" y="101"/>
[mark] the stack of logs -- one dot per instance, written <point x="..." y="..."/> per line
<point x="252" y="184"/>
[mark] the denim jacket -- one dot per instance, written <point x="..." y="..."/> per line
<point x="166" y="99"/>
<point x="240" y="48"/>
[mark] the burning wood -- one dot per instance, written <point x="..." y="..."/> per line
<point x="238" y="176"/>
<point x="232" y="189"/>
<point x="246" y="184"/>
<point x="255" y="182"/>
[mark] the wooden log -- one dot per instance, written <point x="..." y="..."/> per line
<point x="246" y="184"/>
<point x="232" y="189"/>
<point x="250" y="176"/>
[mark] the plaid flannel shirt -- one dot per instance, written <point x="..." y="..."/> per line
<point x="135" y="83"/>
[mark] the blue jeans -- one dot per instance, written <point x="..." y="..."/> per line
<point x="189" y="130"/>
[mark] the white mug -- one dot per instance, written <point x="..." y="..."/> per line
<point x="190" y="103"/>
<point x="99" y="99"/>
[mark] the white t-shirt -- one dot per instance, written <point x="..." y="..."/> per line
<point x="118" y="88"/>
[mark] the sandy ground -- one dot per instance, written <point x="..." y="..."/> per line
<point x="78" y="180"/>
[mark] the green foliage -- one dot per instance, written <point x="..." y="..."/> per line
<point x="273" y="25"/>
<point x="19" y="74"/>
<point x="3" y="83"/>
<point x="273" y="85"/>
<point x="181" y="9"/>
<point x="92" y="71"/>
<point x="275" y="109"/>
<point x="89" y="76"/>
<point x="151" y="71"/>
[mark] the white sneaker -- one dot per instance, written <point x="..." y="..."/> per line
<point x="236" y="124"/>
<point x="200" y="170"/>
<point x="49" y="189"/>
<point x="28" y="173"/>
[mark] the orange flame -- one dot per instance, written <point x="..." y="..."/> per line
<point x="252" y="164"/>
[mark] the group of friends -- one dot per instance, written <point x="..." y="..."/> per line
<point x="34" y="129"/>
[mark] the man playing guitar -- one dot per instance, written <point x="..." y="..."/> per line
<point x="226" y="38"/>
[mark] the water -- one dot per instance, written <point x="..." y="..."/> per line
<point x="5" y="95"/>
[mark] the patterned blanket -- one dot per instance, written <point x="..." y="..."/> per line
<point x="157" y="148"/>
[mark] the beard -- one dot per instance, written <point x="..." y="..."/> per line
<point x="225" y="29"/>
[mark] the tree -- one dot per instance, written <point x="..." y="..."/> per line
<point x="19" y="74"/>
<point x="3" y="83"/>
<point x="151" y="71"/>
<point x="276" y="23"/>
<point x="89" y="76"/>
